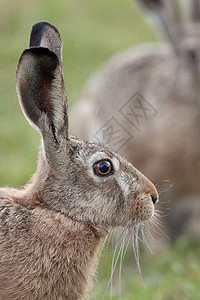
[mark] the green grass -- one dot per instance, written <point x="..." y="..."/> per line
<point x="172" y="274"/>
<point x="92" y="31"/>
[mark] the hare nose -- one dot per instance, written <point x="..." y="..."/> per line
<point x="154" y="199"/>
<point x="151" y="191"/>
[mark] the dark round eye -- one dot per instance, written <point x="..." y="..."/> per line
<point x="103" y="168"/>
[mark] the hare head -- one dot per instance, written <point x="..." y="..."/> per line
<point x="84" y="180"/>
<point x="163" y="78"/>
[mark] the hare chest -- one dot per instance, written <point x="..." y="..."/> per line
<point x="44" y="255"/>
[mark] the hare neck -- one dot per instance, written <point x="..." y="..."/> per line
<point x="68" y="250"/>
<point x="75" y="247"/>
<point x="55" y="257"/>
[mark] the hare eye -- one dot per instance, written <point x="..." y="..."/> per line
<point x="103" y="168"/>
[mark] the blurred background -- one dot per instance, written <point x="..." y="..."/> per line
<point x="92" y="31"/>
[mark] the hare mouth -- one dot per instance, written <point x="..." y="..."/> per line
<point x="143" y="209"/>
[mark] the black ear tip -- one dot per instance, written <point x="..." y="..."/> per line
<point x="40" y="26"/>
<point x="38" y="30"/>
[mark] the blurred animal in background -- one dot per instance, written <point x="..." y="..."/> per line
<point x="145" y="103"/>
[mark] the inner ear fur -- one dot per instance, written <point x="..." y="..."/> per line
<point x="41" y="89"/>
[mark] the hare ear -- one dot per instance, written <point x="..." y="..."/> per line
<point x="167" y="12"/>
<point x="42" y="93"/>
<point x="45" y="35"/>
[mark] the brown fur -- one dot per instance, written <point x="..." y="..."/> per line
<point x="52" y="230"/>
<point x="45" y="254"/>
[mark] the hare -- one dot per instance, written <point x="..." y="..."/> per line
<point x="52" y="230"/>
<point x="145" y="104"/>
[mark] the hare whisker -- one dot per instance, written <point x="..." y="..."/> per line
<point x="135" y="246"/>
<point x="156" y="229"/>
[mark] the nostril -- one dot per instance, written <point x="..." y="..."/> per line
<point x="154" y="199"/>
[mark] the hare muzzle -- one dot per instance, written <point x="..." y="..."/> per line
<point x="143" y="207"/>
